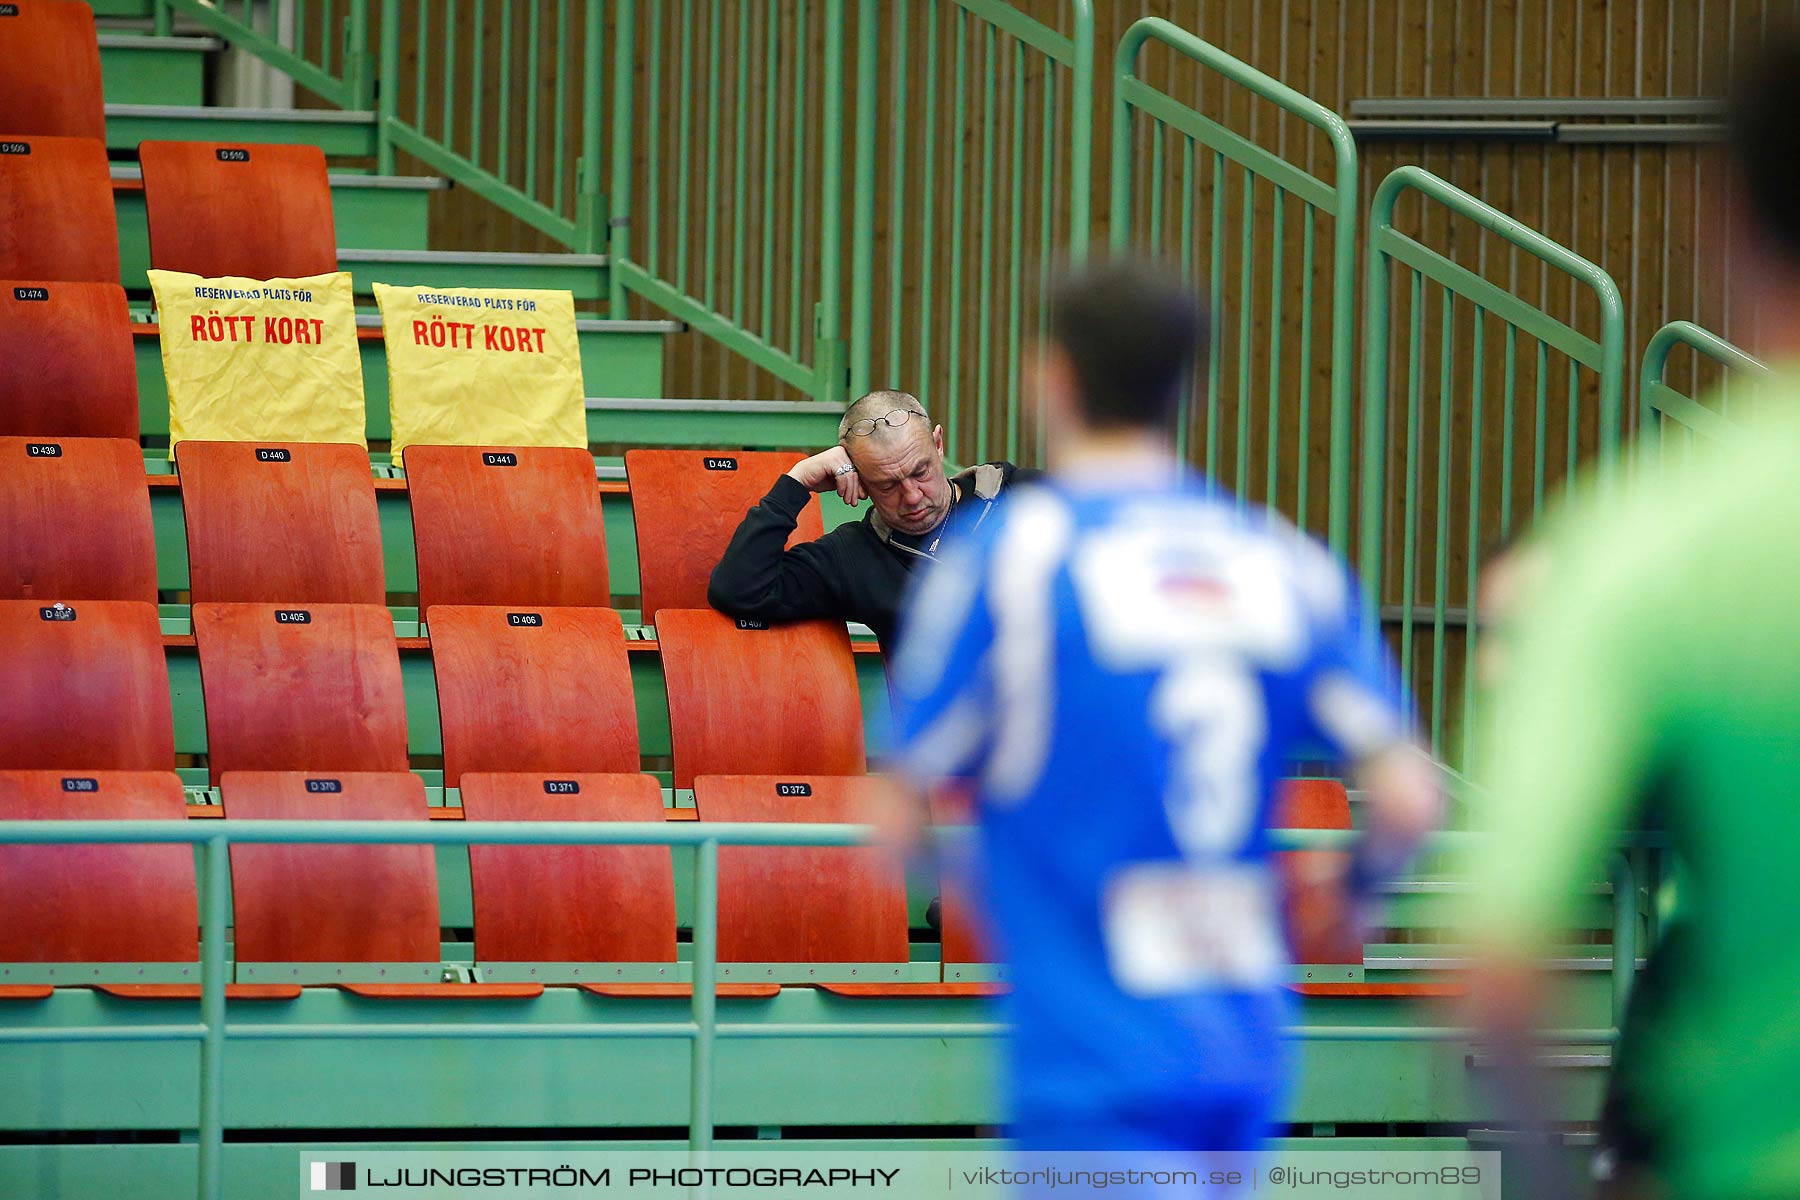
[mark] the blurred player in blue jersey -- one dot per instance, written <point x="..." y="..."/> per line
<point x="1123" y="660"/>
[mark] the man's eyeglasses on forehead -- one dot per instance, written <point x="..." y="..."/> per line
<point x="896" y="418"/>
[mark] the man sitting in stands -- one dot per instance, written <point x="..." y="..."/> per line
<point x="889" y="452"/>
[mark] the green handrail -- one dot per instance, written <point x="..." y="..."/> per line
<point x="215" y="838"/>
<point x="1658" y="401"/>
<point x="439" y="119"/>
<point x="342" y="73"/>
<point x="1331" y="202"/>
<point x="1601" y="352"/>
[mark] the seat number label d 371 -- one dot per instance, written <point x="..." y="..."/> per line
<point x="562" y="787"/>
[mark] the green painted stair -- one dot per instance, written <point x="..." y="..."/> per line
<point x="339" y="134"/>
<point x="138" y="68"/>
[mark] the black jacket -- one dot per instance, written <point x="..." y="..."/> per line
<point x="857" y="572"/>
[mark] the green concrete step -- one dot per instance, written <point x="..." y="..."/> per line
<point x="617" y="357"/>
<point x="714" y="424"/>
<point x="582" y="274"/>
<point x="386" y="211"/>
<point x="138" y="68"/>
<point x="339" y="134"/>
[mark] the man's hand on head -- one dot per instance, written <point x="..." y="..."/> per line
<point x="828" y="470"/>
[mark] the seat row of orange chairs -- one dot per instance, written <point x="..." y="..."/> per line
<point x="295" y="522"/>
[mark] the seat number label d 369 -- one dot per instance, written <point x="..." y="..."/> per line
<point x="75" y="783"/>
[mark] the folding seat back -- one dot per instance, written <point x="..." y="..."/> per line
<point x="687" y="504"/>
<point x="804" y="904"/>
<point x="95" y="903"/>
<point x="75" y="521"/>
<point x="507" y="525"/>
<point x="56" y="210"/>
<point x="50" y="70"/>
<point x="259" y="211"/>
<point x="83" y="686"/>
<point x="1310" y="804"/>
<point x="332" y="903"/>
<point x="281" y="523"/>
<point x="543" y="690"/>
<point x="745" y="698"/>
<point x="303" y="688"/>
<point x="569" y="904"/>
<point x="67" y="368"/>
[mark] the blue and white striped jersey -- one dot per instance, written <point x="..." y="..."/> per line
<point x="1125" y="667"/>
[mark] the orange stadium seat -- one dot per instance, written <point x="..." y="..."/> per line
<point x="687" y="504"/>
<point x="218" y="208"/>
<point x="83" y="686"/>
<point x="67" y="368"/>
<point x="541" y="690"/>
<point x="94" y="903"/>
<point x="804" y="904"/>
<point x="569" y="904"/>
<point x="1324" y="804"/>
<point x="50" y="70"/>
<point x="56" y="210"/>
<point x="303" y="688"/>
<point x="745" y="698"/>
<point x="507" y="525"/>
<point x="331" y="903"/>
<point x="75" y="521"/>
<point x="281" y="523"/>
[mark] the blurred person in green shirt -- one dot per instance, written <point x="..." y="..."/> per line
<point x="1655" y="668"/>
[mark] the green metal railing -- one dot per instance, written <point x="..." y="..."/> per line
<point x="1257" y="276"/>
<point x="739" y="231"/>
<point x="1665" y="413"/>
<point x="1534" y="347"/>
<point x="729" y="128"/>
<point x="986" y="115"/>
<point x="535" y="71"/>
<point x="731" y="106"/>
<point x="215" y="838"/>
<point x="338" y="67"/>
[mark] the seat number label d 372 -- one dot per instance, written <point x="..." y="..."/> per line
<point x="793" y="789"/>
